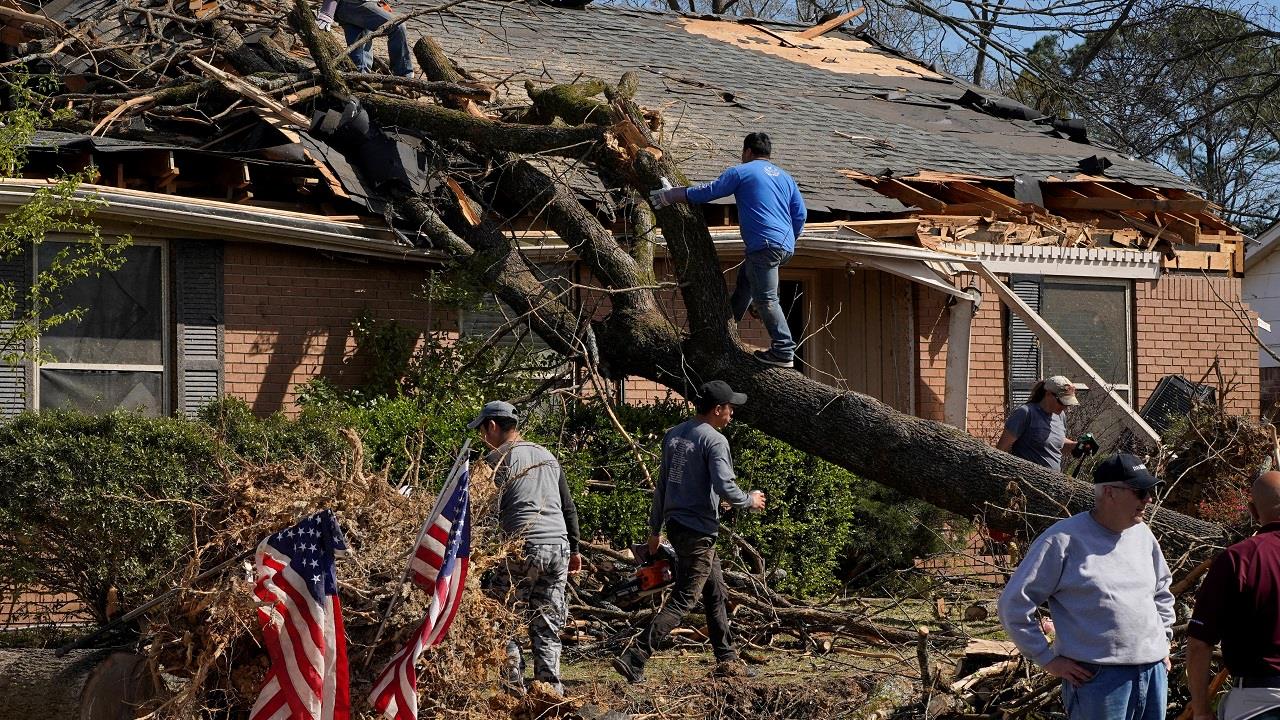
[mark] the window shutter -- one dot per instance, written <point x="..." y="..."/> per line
<point x="15" y="273"/>
<point x="1024" y="347"/>
<point x="198" y="274"/>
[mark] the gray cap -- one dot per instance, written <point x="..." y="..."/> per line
<point x="495" y="409"/>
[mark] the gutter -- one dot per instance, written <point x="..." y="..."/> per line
<point x="230" y="221"/>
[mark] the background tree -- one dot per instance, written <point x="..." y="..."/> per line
<point x="57" y="209"/>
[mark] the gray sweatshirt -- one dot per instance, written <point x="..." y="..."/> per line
<point x="535" y="504"/>
<point x="1108" y="594"/>
<point x="697" y="470"/>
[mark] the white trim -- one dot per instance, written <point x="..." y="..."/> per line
<point x="1066" y="261"/>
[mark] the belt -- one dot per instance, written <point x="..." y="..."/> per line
<point x="1256" y="681"/>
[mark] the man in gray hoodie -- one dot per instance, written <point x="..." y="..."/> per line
<point x="534" y="507"/>
<point x="696" y="472"/>
<point x="1107" y="586"/>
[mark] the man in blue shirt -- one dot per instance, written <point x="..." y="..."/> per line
<point x="771" y="215"/>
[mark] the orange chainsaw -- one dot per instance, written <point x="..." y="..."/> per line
<point x="653" y="576"/>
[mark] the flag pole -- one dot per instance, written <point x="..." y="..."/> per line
<point x="426" y="525"/>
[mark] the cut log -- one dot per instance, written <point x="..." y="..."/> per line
<point x="82" y="685"/>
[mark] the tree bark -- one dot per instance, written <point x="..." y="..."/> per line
<point x="82" y="685"/>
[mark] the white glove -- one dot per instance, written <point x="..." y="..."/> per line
<point x="324" y="16"/>
<point x="663" y="197"/>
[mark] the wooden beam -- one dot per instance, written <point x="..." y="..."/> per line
<point x="902" y="191"/>
<point x="903" y="227"/>
<point x="1140" y="205"/>
<point x="832" y="24"/>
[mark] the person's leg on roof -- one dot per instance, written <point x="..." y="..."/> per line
<point x="762" y="272"/>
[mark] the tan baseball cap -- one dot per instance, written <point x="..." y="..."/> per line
<point x="1063" y="389"/>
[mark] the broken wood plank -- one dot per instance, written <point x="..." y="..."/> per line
<point x="901" y="191"/>
<point x="251" y="92"/>
<point x="832" y="24"/>
<point x="1138" y="204"/>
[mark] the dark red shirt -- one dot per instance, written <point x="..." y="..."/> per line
<point x="1239" y="604"/>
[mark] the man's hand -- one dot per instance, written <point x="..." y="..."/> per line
<point x="663" y="197"/>
<point x="654" y="541"/>
<point x="756" y="500"/>
<point x="1069" y="670"/>
<point x="1168" y="664"/>
<point x="575" y="563"/>
<point x="324" y="16"/>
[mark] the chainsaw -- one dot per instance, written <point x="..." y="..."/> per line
<point x="654" y="575"/>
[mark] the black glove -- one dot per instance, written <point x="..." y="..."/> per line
<point x="1086" y="445"/>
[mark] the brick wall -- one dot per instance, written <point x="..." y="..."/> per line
<point x="1184" y="322"/>
<point x="289" y="313"/>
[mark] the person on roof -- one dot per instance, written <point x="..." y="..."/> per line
<point x="771" y="214"/>
<point x="358" y="17"/>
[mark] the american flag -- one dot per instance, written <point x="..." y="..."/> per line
<point x="438" y="566"/>
<point x="301" y="621"/>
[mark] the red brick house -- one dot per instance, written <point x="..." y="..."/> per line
<point x="254" y="266"/>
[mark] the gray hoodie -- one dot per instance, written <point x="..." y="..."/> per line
<point x="535" y="504"/>
<point x="697" y="470"/>
<point x="1108" y="594"/>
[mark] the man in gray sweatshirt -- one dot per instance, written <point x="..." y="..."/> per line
<point x="536" y="508"/>
<point x="1107" y="586"/>
<point x="696" y="472"/>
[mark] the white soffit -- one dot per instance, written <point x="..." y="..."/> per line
<point x="1069" y="261"/>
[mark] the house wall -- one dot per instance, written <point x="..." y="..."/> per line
<point x="288" y="318"/>
<point x="987" y="374"/>
<point x="1183" y="323"/>
<point x="1180" y="327"/>
<point x="857" y="336"/>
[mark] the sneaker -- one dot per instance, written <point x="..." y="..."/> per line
<point x="768" y="357"/>
<point x="733" y="669"/>
<point x="628" y="671"/>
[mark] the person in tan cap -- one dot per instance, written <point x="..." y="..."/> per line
<point x="1037" y="432"/>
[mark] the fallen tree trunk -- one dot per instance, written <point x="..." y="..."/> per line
<point x="82" y="685"/>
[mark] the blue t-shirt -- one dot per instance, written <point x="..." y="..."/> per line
<point x="1040" y="435"/>
<point x="770" y="210"/>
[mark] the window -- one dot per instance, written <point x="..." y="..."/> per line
<point x="114" y="356"/>
<point x="1095" y="319"/>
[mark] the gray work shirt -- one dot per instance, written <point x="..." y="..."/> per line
<point x="534" y="503"/>
<point x="1040" y="435"/>
<point x="697" y="470"/>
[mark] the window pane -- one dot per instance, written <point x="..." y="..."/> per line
<point x="97" y="391"/>
<point x="1093" y="319"/>
<point x="123" y="319"/>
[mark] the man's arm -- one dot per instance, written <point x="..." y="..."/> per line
<point x="658" y="505"/>
<point x="570" y="510"/>
<point x="720" y="471"/>
<point x="1163" y="596"/>
<point x="798" y="212"/>
<point x="1032" y="583"/>
<point x="723" y="186"/>
<point x="1199" y="653"/>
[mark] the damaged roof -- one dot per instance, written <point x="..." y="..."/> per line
<point x="836" y="106"/>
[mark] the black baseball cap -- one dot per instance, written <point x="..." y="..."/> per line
<point x="1127" y="469"/>
<point x="495" y="409"/>
<point x="721" y="393"/>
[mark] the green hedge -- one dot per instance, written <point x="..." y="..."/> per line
<point x="89" y="504"/>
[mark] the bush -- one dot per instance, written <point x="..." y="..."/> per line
<point x="100" y="506"/>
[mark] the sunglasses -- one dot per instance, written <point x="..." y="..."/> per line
<point x="1142" y="493"/>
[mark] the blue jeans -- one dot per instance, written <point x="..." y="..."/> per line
<point x="357" y="18"/>
<point x="1119" y="692"/>
<point x="758" y="285"/>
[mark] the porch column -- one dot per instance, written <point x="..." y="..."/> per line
<point x="955" y="404"/>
